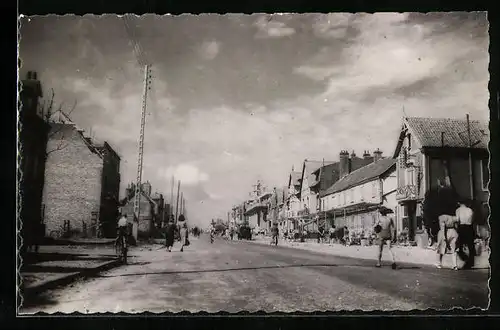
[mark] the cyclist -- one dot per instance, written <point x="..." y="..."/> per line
<point x="122" y="227"/>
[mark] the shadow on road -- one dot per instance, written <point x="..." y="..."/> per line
<point x="244" y="268"/>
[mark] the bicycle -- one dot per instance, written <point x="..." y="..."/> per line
<point x="121" y="248"/>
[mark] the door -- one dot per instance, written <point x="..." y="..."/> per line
<point x="412" y="217"/>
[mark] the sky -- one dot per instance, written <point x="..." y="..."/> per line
<point x="240" y="98"/>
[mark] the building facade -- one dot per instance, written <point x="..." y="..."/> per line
<point x="431" y="152"/>
<point x="33" y="136"/>
<point x="148" y="209"/>
<point x="353" y="201"/>
<point x="81" y="181"/>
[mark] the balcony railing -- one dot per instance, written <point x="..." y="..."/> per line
<point x="408" y="192"/>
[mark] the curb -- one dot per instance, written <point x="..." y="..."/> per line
<point x="37" y="289"/>
<point x="260" y="242"/>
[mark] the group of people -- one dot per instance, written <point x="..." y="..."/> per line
<point x="170" y="230"/>
<point x="455" y="232"/>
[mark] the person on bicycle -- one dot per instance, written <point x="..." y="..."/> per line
<point x="122" y="227"/>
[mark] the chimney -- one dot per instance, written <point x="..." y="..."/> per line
<point x="344" y="163"/>
<point x="353" y="154"/>
<point x="377" y="155"/>
<point x="366" y="154"/>
<point x="31" y="91"/>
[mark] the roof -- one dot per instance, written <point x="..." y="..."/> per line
<point x="295" y="178"/>
<point x="61" y="127"/>
<point x="311" y="166"/>
<point x="427" y="131"/>
<point x="361" y="175"/>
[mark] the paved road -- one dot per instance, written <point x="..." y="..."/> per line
<point x="235" y="276"/>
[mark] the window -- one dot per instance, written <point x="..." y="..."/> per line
<point x="374" y="189"/>
<point x="485" y="174"/>
<point x="409" y="141"/>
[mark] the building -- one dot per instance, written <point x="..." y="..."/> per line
<point x="292" y="204"/>
<point x="81" y="182"/>
<point x="149" y="209"/>
<point x="257" y="209"/>
<point x="33" y="136"/>
<point x="353" y="201"/>
<point x="110" y="189"/>
<point x="160" y="216"/>
<point x="434" y="151"/>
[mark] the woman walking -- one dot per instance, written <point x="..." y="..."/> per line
<point x="183" y="231"/>
<point x="170" y="235"/>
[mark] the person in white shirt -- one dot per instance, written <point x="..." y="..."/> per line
<point x="466" y="233"/>
<point x="447" y="237"/>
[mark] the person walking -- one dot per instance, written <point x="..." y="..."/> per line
<point x="275" y="233"/>
<point x="385" y="230"/>
<point x="466" y="234"/>
<point x="447" y="237"/>
<point x="332" y="234"/>
<point x="183" y="231"/>
<point x="170" y="235"/>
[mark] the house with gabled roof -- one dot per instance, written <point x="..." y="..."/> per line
<point x="432" y="152"/>
<point x="150" y="209"/>
<point x="82" y="180"/>
<point x="353" y="200"/>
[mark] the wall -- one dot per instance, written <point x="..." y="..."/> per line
<point x="72" y="182"/>
<point x="368" y="192"/>
<point x="145" y="215"/>
<point x="110" y="191"/>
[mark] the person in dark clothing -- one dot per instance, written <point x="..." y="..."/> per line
<point x="170" y="235"/>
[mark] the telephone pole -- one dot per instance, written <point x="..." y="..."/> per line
<point x="177" y="204"/>
<point x="471" y="179"/>
<point x="137" y="201"/>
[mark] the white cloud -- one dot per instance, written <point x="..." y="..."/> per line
<point x="188" y="174"/>
<point x="269" y="27"/>
<point x="209" y="49"/>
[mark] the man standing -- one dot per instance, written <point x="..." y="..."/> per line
<point x="275" y="233"/>
<point x="466" y="234"/>
<point x="447" y="237"/>
<point x="385" y="230"/>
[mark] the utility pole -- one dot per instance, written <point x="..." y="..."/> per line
<point x="471" y="179"/>
<point x="177" y="203"/>
<point x="171" y="210"/>
<point x="137" y="201"/>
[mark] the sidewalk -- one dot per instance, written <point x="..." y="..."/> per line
<point x="403" y="254"/>
<point x="57" y="265"/>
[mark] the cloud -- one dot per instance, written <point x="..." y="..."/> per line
<point x="270" y="27"/>
<point x="209" y="49"/>
<point x="337" y="81"/>
<point x="188" y="174"/>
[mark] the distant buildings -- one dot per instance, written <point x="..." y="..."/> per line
<point x="82" y="182"/>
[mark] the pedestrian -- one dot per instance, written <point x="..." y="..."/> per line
<point x="385" y="230"/>
<point x="170" y="235"/>
<point x="447" y="237"/>
<point x="275" y="233"/>
<point x="183" y="232"/>
<point x="345" y="236"/>
<point x="332" y="231"/>
<point x="231" y="233"/>
<point x="466" y="233"/>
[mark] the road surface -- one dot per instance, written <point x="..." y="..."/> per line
<point x="242" y="276"/>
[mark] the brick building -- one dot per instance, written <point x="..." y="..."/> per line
<point x="33" y="136"/>
<point x="81" y="182"/>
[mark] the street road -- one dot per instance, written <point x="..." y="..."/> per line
<point x="237" y="275"/>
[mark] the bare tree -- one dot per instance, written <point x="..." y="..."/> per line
<point x="47" y="112"/>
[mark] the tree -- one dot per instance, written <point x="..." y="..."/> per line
<point x="47" y="112"/>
